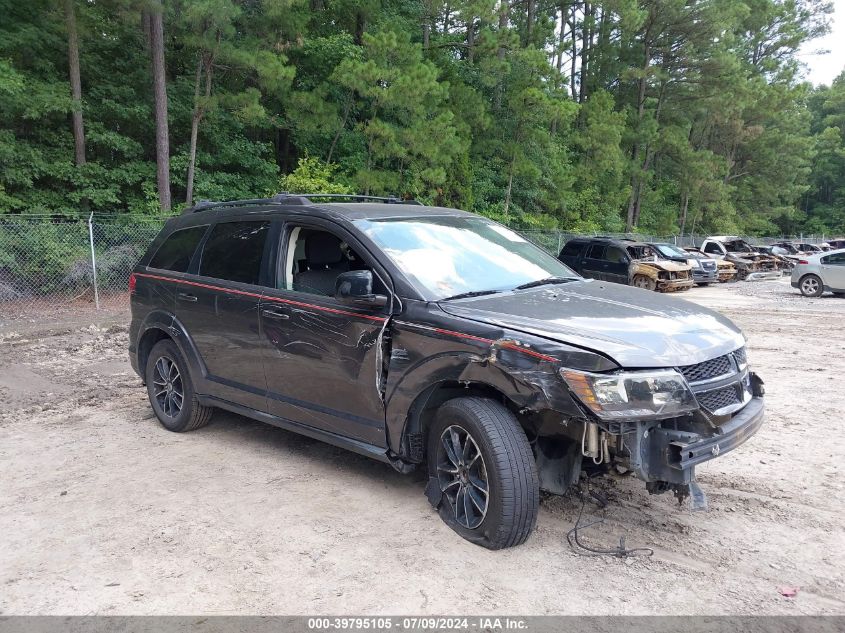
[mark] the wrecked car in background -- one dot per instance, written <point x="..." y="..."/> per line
<point x="625" y="262"/>
<point x="704" y="269"/>
<point x="750" y="265"/>
<point x="434" y="338"/>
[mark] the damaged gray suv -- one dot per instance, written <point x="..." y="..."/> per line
<point x="424" y="336"/>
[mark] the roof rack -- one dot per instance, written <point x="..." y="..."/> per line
<point x="303" y="199"/>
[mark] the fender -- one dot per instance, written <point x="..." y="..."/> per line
<point x="163" y="320"/>
<point x="529" y="383"/>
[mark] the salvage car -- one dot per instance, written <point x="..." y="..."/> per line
<point x="824" y="272"/>
<point x="430" y="337"/>
<point x="704" y="269"/>
<point x="625" y="262"/>
<point x="725" y="271"/>
<point x="750" y="265"/>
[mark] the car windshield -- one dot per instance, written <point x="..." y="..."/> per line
<point x="668" y="250"/>
<point x="448" y="256"/>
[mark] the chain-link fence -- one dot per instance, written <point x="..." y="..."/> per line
<point x="52" y="265"/>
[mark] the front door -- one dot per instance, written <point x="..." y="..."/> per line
<point x="833" y="271"/>
<point x="219" y="309"/>
<point x="322" y="358"/>
<point x="617" y="265"/>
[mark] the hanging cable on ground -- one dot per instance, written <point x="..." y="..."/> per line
<point x="620" y="551"/>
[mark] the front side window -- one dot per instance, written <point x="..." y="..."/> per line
<point x="234" y="251"/>
<point x="177" y="250"/>
<point x="447" y="256"/>
<point x="315" y="258"/>
<point x="713" y="248"/>
<point x="616" y="255"/>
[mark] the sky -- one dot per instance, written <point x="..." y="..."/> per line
<point x="823" y="69"/>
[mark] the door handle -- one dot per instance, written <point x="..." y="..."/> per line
<point x="275" y="314"/>
<point x="184" y="296"/>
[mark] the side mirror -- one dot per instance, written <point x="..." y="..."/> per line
<point x="355" y="287"/>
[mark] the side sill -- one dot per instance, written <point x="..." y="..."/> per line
<point x="356" y="446"/>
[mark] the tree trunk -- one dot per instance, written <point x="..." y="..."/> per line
<point x="75" y="83"/>
<point x="684" y="208"/>
<point x="510" y="187"/>
<point x="531" y="17"/>
<point x="156" y="45"/>
<point x="204" y="63"/>
<point x="585" y="53"/>
<point x="340" y="129"/>
<point x="573" y="53"/>
<point x="500" y="53"/>
<point x="470" y="39"/>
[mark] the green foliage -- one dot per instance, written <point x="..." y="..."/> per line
<point x="665" y="115"/>
<point x="312" y="176"/>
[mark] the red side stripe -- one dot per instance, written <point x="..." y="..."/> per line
<point x="261" y="296"/>
<point x="470" y="337"/>
<point x="487" y="341"/>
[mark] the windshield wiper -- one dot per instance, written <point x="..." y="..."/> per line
<point x="471" y="293"/>
<point x="547" y="280"/>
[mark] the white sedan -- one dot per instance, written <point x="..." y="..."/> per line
<point x="815" y="274"/>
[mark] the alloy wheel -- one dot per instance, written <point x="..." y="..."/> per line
<point x="462" y="476"/>
<point x="810" y="286"/>
<point x="168" y="389"/>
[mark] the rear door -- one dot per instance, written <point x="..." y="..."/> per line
<point x="322" y="357"/>
<point x="170" y="262"/>
<point x="833" y="271"/>
<point x="595" y="265"/>
<point x="219" y="308"/>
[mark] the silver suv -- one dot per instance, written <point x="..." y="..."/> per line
<point x="821" y="272"/>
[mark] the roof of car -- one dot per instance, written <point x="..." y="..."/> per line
<point x="347" y="207"/>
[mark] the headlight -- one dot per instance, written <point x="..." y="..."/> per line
<point x="694" y="263"/>
<point x="637" y="394"/>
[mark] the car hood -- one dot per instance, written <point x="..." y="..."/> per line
<point x="635" y="328"/>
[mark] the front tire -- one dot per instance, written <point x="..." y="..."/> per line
<point x="482" y="473"/>
<point x="811" y="286"/>
<point x="171" y="390"/>
<point x="646" y="283"/>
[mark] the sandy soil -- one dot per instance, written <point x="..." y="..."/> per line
<point x="102" y="511"/>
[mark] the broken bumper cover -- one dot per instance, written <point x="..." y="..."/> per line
<point x="670" y="455"/>
<point x="764" y="275"/>
<point x="682" y="452"/>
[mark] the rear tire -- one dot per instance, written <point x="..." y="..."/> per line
<point x="811" y="286"/>
<point x="485" y="447"/>
<point x="171" y="390"/>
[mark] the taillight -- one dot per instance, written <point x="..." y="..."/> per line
<point x="803" y="261"/>
<point x="132" y="282"/>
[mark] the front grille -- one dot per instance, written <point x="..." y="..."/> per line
<point x="709" y="265"/>
<point x="719" y="398"/>
<point x="712" y="368"/>
<point x="740" y="356"/>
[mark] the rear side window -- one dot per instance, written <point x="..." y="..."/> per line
<point x="571" y="249"/>
<point x="835" y="260"/>
<point x="234" y="251"/>
<point x="177" y="250"/>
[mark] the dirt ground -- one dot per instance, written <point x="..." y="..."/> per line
<point x="102" y="511"/>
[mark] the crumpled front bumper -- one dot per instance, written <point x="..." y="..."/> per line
<point x="669" y="455"/>
<point x="674" y="285"/>
<point x="682" y="451"/>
